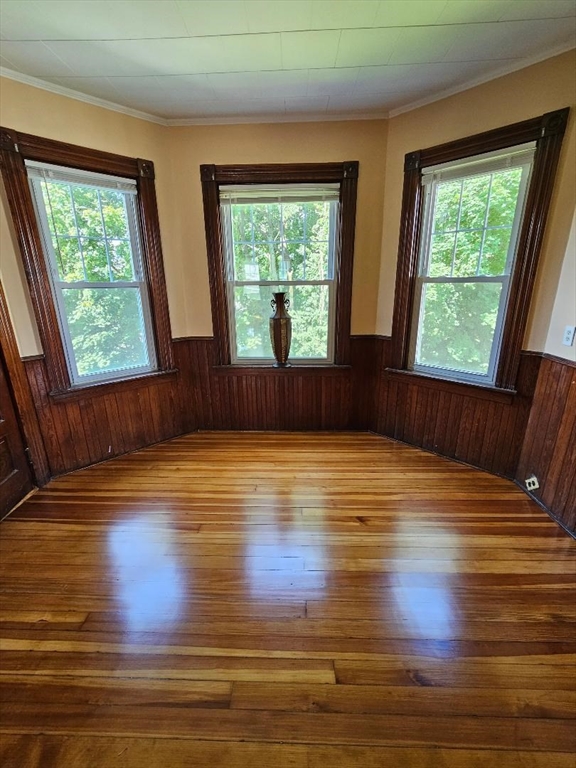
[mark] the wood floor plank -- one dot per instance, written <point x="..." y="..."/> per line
<point x="56" y="751"/>
<point x="409" y="700"/>
<point x="17" y="751"/>
<point x="298" y="600"/>
<point x="537" y="734"/>
<point x="378" y="757"/>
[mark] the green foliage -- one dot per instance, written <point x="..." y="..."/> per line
<point x="458" y="325"/>
<point x="472" y="225"/>
<point x="106" y="328"/>
<point x="281" y="242"/>
<point x="98" y="249"/>
<point x="91" y="240"/>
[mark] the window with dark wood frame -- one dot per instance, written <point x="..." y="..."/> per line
<point x="15" y="149"/>
<point x="346" y="174"/>
<point x="547" y="131"/>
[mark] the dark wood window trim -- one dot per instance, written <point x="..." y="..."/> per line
<point x="293" y="370"/>
<point x="469" y="389"/>
<point x="17" y="147"/>
<point x="113" y="387"/>
<point x="212" y="176"/>
<point x="548" y="131"/>
<point x="23" y="396"/>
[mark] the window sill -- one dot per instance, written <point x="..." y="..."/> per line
<point x="468" y="389"/>
<point x="111" y="387"/>
<point x="292" y="370"/>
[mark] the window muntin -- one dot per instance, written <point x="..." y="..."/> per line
<point x="472" y="216"/>
<point x="280" y="238"/>
<point x="89" y="226"/>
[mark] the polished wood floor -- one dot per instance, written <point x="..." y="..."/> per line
<point x="234" y="600"/>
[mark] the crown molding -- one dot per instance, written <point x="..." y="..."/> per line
<point x="282" y="118"/>
<point x="60" y="90"/>
<point x="494" y="75"/>
<point x="318" y="117"/>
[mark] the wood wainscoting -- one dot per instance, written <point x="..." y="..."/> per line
<point x="549" y="449"/>
<point x="85" y="428"/>
<point x="485" y="428"/>
<point x="476" y="425"/>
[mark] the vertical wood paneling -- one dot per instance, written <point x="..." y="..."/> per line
<point x="549" y="446"/>
<point x="89" y="429"/>
<point x="476" y="429"/>
<point x="488" y="433"/>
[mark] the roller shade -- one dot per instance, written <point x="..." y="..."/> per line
<point x="480" y="164"/>
<point x="74" y="176"/>
<point x="278" y="193"/>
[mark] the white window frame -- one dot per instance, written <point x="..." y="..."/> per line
<point x="44" y="171"/>
<point x="278" y="193"/>
<point x="520" y="156"/>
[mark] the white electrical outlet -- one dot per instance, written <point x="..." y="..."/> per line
<point x="569" y="333"/>
<point x="532" y="483"/>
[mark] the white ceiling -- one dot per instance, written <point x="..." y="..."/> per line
<point x="255" y="60"/>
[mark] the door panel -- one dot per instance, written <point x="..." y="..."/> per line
<point x="15" y="476"/>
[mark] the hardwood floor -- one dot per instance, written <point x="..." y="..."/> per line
<point x="283" y="600"/>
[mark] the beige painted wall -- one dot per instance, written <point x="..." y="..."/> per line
<point x="177" y="154"/>
<point x="379" y="145"/>
<point x="564" y="312"/>
<point x="39" y="112"/>
<point x="518" y="96"/>
<point x="271" y="143"/>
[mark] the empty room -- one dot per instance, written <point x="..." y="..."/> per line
<point x="288" y="384"/>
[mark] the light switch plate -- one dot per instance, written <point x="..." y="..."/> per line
<point x="569" y="332"/>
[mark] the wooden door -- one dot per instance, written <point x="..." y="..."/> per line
<point x="15" y="475"/>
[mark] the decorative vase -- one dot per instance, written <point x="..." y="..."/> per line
<point x="280" y="329"/>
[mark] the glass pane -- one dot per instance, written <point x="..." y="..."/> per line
<point x="446" y="206"/>
<point x="317" y="260"/>
<point x="467" y="253"/>
<point x="68" y="259"/>
<point x="295" y="215"/>
<point x="268" y="257"/>
<point x="309" y="308"/>
<point x="474" y="201"/>
<point x="457" y="325"/>
<point x="252" y="312"/>
<point x="95" y="260"/>
<point x="242" y="223"/>
<point x="114" y="214"/>
<point x="87" y="207"/>
<point x="495" y="251"/>
<point x="121" y="260"/>
<point x="441" y="253"/>
<point x="59" y="210"/>
<point x="503" y="197"/>
<point x="106" y="328"/>
<point x="296" y="261"/>
<point x="290" y="240"/>
<point x="267" y="219"/>
<point x="245" y="262"/>
<point x="90" y="252"/>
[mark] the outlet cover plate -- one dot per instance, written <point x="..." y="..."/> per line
<point x="568" y="337"/>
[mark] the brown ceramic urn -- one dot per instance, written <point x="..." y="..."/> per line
<point x="280" y="329"/>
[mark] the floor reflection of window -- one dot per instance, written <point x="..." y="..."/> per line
<point x="287" y="541"/>
<point x="150" y="582"/>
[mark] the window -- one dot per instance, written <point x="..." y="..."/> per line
<point x="473" y="217"/>
<point x="285" y="228"/>
<point x="89" y="224"/>
<point x="280" y="238"/>
<point x="472" y="214"/>
<point x="88" y="231"/>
